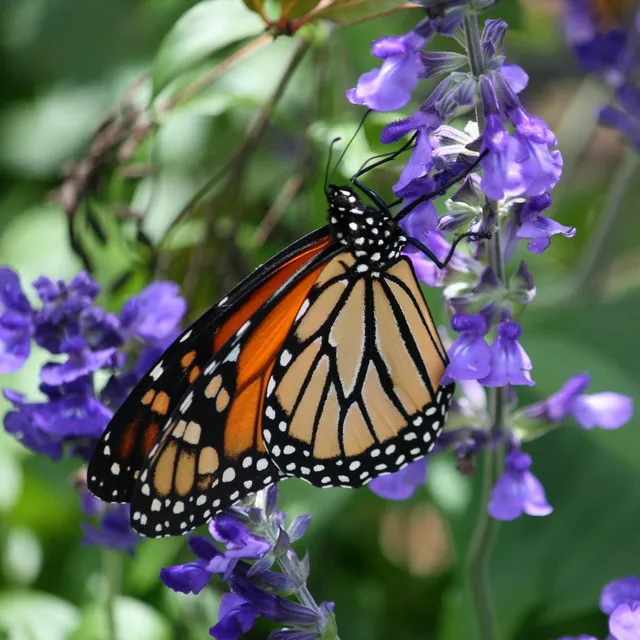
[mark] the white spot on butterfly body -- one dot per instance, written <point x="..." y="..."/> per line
<point x="285" y="358"/>
<point x="107" y="451"/>
<point x="344" y="479"/>
<point x="288" y="450"/>
<point x="375" y="453"/>
<point x="291" y="466"/>
<point x="143" y="519"/>
<point x="262" y="464"/>
<point x="115" y="468"/>
<point x="223" y="301"/>
<point x="390" y="449"/>
<point x="325" y="480"/>
<point x="247" y="462"/>
<point x="362" y="268"/>
<point x="266" y="435"/>
<point x="282" y="426"/>
<point x="248" y="484"/>
<point x="417" y="421"/>
<point x="270" y="412"/>
<point x="233" y="355"/>
<point x="430" y="411"/>
<point x="318" y="467"/>
<point x="275" y="451"/>
<point x="410" y="436"/>
<point x="156" y="504"/>
<point x="186" y="335"/>
<point x="136" y="515"/>
<point x="354" y="465"/>
<point x="359" y="241"/>
<point x="353" y="226"/>
<point x="234" y="496"/>
<point x="228" y="475"/>
<point x="146" y="490"/>
<point x="415" y="452"/>
<point x="271" y="385"/>
<point x="381" y="467"/>
<point x="400" y="460"/>
<point x="427" y="436"/>
<point x="201" y="500"/>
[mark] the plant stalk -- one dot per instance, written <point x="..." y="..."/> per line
<point x="482" y="541"/>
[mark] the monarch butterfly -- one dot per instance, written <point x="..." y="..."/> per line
<point x="324" y="364"/>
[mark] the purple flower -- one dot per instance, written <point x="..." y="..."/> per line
<point x="470" y="354"/>
<point x="112" y="530"/>
<point x="80" y="363"/>
<point x="16" y="322"/>
<point x="70" y="413"/>
<point x="538" y="228"/>
<point x="390" y="87"/>
<point x="194" y="576"/>
<point x="509" y="362"/>
<point x="597" y="50"/>
<point x="417" y="169"/>
<point x="605" y="410"/>
<point x="155" y="313"/>
<point x="239" y="541"/>
<point x="518" y="491"/>
<point x="624" y="622"/>
<point x="402" y="484"/>
<point x="621" y="591"/>
<point x="236" y="616"/>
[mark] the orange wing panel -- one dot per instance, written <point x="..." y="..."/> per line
<point x="263" y="292"/>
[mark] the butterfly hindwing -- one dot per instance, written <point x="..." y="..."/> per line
<point x="357" y="394"/>
<point x="211" y="453"/>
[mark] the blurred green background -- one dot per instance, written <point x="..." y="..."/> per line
<point x="394" y="570"/>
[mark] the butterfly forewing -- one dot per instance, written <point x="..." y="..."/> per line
<point x="138" y="424"/>
<point x="350" y="399"/>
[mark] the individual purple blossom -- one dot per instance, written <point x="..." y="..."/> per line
<point x="518" y="491"/>
<point x="153" y="314"/>
<point x="539" y="229"/>
<point x="470" y="355"/>
<point x="111" y="529"/>
<point x="510" y="363"/>
<point x="390" y="87"/>
<point x="16" y="322"/>
<point x="606" y="410"/>
<point x="70" y="413"/>
<point x="624" y="622"/>
<point x="402" y="484"/>
<point x="236" y="616"/>
<point x="620" y="591"/>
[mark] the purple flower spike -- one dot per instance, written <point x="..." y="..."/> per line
<point x="155" y="313"/>
<point x="618" y="592"/>
<point x="236" y="615"/>
<point x="604" y="410"/>
<point x="624" y="623"/>
<point x="402" y="484"/>
<point x="390" y="87"/>
<point x="16" y="323"/>
<point x="470" y="354"/>
<point x="510" y="364"/>
<point x="518" y="491"/>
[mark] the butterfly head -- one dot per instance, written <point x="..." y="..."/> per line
<point x="369" y="232"/>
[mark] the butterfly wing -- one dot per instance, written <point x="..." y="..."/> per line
<point x="211" y="453"/>
<point x="355" y="392"/>
<point x="137" y="425"/>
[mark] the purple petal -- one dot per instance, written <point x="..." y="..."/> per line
<point x="402" y="484"/>
<point x="510" y="363"/>
<point x="604" y="410"/>
<point x="191" y="577"/>
<point x="620" y="591"/>
<point x="624" y="623"/>
<point x="419" y="165"/>
<point x="515" y="75"/>
<point x="236" y="617"/>
<point x="155" y="313"/>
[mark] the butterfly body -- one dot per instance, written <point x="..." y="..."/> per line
<point x="324" y="364"/>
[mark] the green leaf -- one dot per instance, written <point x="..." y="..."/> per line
<point x="204" y="29"/>
<point x="352" y="11"/>
<point x="37" y="616"/>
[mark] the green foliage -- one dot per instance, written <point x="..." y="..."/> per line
<point x="66" y="65"/>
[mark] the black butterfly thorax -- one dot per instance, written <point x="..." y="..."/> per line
<point x="372" y="236"/>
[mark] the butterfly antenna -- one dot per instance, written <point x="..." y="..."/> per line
<point x="383" y="158"/>
<point x="326" y="170"/>
<point x="353" y="137"/>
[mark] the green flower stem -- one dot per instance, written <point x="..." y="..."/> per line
<point x="486" y="528"/>
<point x="112" y="571"/>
